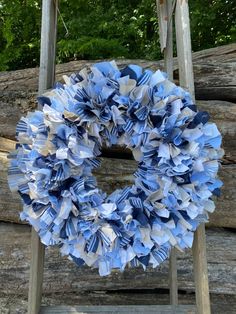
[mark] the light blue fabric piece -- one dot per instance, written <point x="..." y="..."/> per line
<point x="178" y="153"/>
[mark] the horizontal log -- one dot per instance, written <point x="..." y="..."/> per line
<point x="215" y="80"/>
<point x="119" y="309"/>
<point x="223" y="113"/>
<point x="213" y="69"/>
<point x="224" y="54"/>
<point x="62" y="275"/>
<point x="14" y="303"/>
<point x="27" y="79"/>
<point x="17" y="303"/>
<point x="117" y="173"/>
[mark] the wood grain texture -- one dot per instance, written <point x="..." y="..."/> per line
<point x="214" y="71"/>
<point x="173" y="277"/>
<point x="48" y="45"/>
<point x="27" y="79"/>
<point x="37" y="251"/>
<point x="117" y="173"/>
<point x="46" y="80"/>
<point x="162" y="17"/>
<point x="125" y="177"/>
<point x="62" y="276"/>
<point x="17" y="303"/>
<point x="164" y="11"/>
<point x="183" y="43"/>
<point x="213" y="81"/>
<point x="119" y="309"/>
<point x="200" y="271"/>
<point x="184" y="51"/>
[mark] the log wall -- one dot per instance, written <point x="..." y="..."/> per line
<point x="64" y="283"/>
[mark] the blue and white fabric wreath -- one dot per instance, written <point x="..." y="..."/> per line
<point x="177" y="150"/>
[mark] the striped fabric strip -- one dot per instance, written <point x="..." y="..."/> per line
<point x="145" y="77"/>
<point x="21" y="127"/>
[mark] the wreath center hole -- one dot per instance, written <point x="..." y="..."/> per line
<point x="116" y="170"/>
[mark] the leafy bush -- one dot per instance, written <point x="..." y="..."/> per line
<point x="105" y="29"/>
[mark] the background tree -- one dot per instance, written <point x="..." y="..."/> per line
<point x="100" y="29"/>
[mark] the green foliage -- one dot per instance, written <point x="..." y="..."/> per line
<point x="213" y="23"/>
<point x="105" y="29"/>
<point x="89" y="48"/>
<point x="19" y="34"/>
<point x="100" y="29"/>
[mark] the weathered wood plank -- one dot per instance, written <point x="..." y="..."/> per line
<point x="36" y="273"/>
<point x="212" y="81"/>
<point x="183" y="43"/>
<point x="27" y="79"/>
<point x="63" y="276"/>
<point x="215" y="81"/>
<point x="16" y="303"/>
<point x="119" y="309"/>
<point x="214" y="69"/>
<point x="164" y="12"/>
<point x="162" y="17"/>
<point x="184" y="52"/>
<point x="200" y="271"/>
<point x="117" y="173"/>
<point x="173" y="278"/>
<point x="6" y="145"/>
<point x="46" y="81"/>
<point x="48" y="45"/>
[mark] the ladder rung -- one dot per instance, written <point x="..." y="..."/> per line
<point x="120" y="309"/>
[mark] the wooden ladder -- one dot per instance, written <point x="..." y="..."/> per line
<point x="46" y="80"/>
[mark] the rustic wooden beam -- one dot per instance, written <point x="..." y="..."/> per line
<point x="36" y="273"/>
<point x="64" y="279"/>
<point x="214" y="78"/>
<point x="183" y="43"/>
<point x="173" y="279"/>
<point x="164" y="12"/>
<point x="46" y="80"/>
<point x="16" y="303"/>
<point x="119" y="309"/>
<point x="213" y="58"/>
<point x="200" y="271"/>
<point x="48" y="45"/>
<point x="184" y="52"/>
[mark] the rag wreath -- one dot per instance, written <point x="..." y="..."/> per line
<point x="176" y="148"/>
